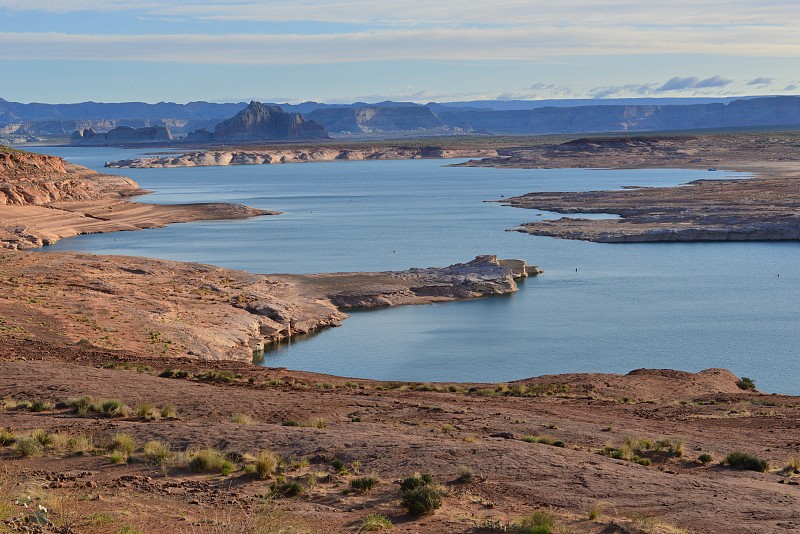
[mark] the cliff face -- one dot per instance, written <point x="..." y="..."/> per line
<point x="259" y="122"/>
<point x="123" y="135"/>
<point x="35" y="179"/>
<point x="377" y="119"/>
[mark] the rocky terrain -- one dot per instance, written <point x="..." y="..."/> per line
<point x="277" y="154"/>
<point x="167" y="308"/>
<point x="763" y="208"/>
<point x="44" y="199"/>
<point x="639" y="453"/>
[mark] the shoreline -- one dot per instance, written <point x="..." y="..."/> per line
<point x="761" y="208"/>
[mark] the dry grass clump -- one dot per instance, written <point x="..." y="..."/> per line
<point x="265" y="464"/>
<point x="208" y="460"/>
<point x="375" y="522"/>
<point x="156" y="452"/>
<point x="242" y="419"/>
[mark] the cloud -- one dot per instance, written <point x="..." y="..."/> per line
<point x="761" y="81"/>
<point x="692" y="82"/>
<point x="585" y="13"/>
<point x="714" y="81"/>
<point x="792" y="86"/>
<point x="449" y="44"/>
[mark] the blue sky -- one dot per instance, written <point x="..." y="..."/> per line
<point x="341" y="51"/>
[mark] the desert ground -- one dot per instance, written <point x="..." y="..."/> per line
<point x="130" y="404"/>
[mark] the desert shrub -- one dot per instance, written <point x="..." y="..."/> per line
<point x="265" y="464"/>
<point x="168" y="411"/>
<point x="7" y="437"/>
<point x="285" y="488"/>
<point x="746" y="384"/>
<point x="174" y="373"/>
<point x="792" y="466"/>
<point x="216" y="375"/>
<point x="375" y="522"/>
<point x="594" y="512"/>
<point x="26" y="446"/>
<point x="464" y="473"/>
<point x="422" y="500"/>
<point x="80" y="444"/>
<point x="419" y="495"/>
<point x="81" y="406"/>
<point x="537" y="523"/>
<point x="242" y="419"/>
<point x="363" y="484"/>
<point x="318" y="423"/>
<point x="148" y="412"/>
<point x="156" y="452"/>
<point x="290" y="422"/>
<point x="123" y="443"/>
<point x="40" y="406"/>
<point x="743" y="460"/>
<point x="705" y="458"/>
<point x="43" y="437"/>
<point x="206" y="460"/>
<point x="111" y="408"/>
<point x="546" y="440"/>
<point x="337" y="464"/>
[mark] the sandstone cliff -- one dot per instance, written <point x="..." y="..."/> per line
<point x="35" y="179"/>
<point x="45" y="199"/>
<point x="259" y="122"/>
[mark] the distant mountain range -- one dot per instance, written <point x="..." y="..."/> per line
<point x="26" y="122"/>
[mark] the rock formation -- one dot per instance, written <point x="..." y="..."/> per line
<point x="374" y="119"/>
<point x="261" y="123"/>
<point x="45" y="199"/>
<point x="267" y="156"/>
<point x="123" y="135"/>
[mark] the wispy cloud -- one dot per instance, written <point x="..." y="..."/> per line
<point x="720" y="13"/>
<point x="474" y="44"/>
<point x="761" y="81"/>
<point x="692" y="82"/>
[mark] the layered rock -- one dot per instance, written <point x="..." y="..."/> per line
<point x="36" y="179"/>
<point x="169" y="308"/>
<point x="45" y="199"/>
<point x="260" y="123"/>
<point x="269" y="156"/>
<point x="376" y="119"/>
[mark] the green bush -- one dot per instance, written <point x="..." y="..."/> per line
<point x="284" y="488"/>
<point x="743" y="460"/>
<point x="363" y="484"/>
<point x="422" y="500"/>
<point x="538" y="523"/>
<point x="419" y="496"/>
<point x="746" y="384"/>
<point x="27" y="446"/>
<point x="705" y="458"/>
<point x="206" y="460"/>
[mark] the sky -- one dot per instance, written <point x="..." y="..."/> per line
<point x="61" y="51"/>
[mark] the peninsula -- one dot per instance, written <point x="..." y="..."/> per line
<point x="765" y="207"/>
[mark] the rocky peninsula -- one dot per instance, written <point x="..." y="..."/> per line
<point x="45" y="198"/>
<point x="763" y="208"/>
<point x="278" y="154"/>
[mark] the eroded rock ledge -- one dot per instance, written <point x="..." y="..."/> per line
<point x="765" y="208"/>
<point x="44" y="199"/>
<point x="168" y="308"/>
<point x="269" y="156"/>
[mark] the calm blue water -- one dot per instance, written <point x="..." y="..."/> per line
<point x="682" y="306"/>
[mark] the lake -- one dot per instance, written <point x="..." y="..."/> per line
<point x="597" y="308"/>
